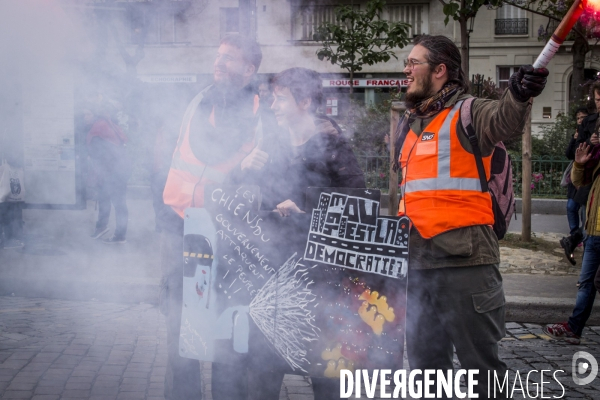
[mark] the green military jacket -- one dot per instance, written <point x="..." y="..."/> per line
<point x="494" y="121"/>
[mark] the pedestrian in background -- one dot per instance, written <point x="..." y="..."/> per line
<point x="265" y="94"/>
<point x="455" y="297"/>
<point x="575" y="211"/>
<point x="586" y="170"/>
<point x="11" y="211"/>
<point x="587" y="132"/>
<point x="106" y="145"/>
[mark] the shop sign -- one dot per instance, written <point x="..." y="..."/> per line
<point x="366" y="83"/>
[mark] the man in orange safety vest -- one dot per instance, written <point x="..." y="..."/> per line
<point x="455" y="293"/>
<point x="218" y="131"/>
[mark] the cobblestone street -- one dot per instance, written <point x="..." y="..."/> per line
<point x="58" y="349"/>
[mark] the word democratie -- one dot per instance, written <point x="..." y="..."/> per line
<point x="346" y="231"/>
<point x="433" y="384"/>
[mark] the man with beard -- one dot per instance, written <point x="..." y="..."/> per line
<point x="217" y="133"/>
<point x="455" y="294"/>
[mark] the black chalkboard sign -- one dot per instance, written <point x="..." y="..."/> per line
<point x="313" y="293"/>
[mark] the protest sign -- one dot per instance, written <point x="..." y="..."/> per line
<point x="313" y="293"/>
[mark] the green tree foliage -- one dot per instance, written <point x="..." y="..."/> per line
<point x="371" y="126"/>
<point x="359" y="38"/>
<point x="553" y="140"/>
<point x="555" y="137"/>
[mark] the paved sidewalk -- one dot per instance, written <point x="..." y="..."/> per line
<point x="525" y="261"/>
<point x="60" y="349"/>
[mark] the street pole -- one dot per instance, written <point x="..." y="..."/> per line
<point x="398" y="108"/>
<point x="526" y="179"/>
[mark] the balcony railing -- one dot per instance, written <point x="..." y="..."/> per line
<point x="306" y="19"/>
<point x="512" y="26"/>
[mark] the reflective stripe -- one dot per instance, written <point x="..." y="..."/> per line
<point x="444" y="143"/>
<point x="443" y="180"/>
<point x="189" y="113"/>
<point x="197" y="170"/>
<point x="442" y="184"/>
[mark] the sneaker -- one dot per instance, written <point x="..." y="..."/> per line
<point x="566" y="244"/>
<point x="98" y="233"/>
<point x="13" y="244"/>
<point x="114" y="240"/>
<point x="561" y="331"/>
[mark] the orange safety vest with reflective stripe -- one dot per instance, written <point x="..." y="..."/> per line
<point x="188" y="176"/>
<point x="440" y="182"/>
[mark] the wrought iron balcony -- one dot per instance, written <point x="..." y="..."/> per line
<point x="512" y="26"/>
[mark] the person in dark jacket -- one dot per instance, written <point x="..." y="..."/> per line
<point x="106" y="147"/>
<point x="588" y="130"/>
<point x="311" y="153"/>
<point x="575" y="211"/>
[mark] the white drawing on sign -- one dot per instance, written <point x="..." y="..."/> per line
<point x="282" y="311"/>
<point x="344" y="229"/>
<point x="189" y="337"/>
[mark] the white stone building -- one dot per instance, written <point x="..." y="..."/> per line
<point x="183" y="37"/>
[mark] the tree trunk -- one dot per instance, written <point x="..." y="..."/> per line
<point x="351" y="82"/>
<point x="580" y="48"/>
<point x="526" y="181"/>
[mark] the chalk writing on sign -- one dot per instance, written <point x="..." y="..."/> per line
<point x="346" y="231"/>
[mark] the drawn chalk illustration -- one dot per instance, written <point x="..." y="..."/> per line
<point x="321" y="291"/>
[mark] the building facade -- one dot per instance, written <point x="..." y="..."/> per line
<point x="182" y="38"/>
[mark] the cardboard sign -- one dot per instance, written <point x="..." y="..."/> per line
<point x="313" y="293"/>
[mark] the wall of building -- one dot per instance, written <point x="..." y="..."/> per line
<point x="201" y="31"/>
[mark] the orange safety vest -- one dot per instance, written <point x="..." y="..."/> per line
<point x="440" y="183"/>
<point x="188" y="176"/>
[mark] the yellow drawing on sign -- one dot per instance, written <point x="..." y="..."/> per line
<point x="375" y="311"/>
<point x="335" y="361"/>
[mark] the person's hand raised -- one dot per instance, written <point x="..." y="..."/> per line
<point x="582" y="154"/>
<point x="256" y="160"/>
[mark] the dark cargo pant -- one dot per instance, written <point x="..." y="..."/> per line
<point x="460" y="306"/>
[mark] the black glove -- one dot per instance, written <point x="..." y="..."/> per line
<point x="527" y="82"/>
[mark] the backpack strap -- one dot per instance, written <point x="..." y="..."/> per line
<point x="467" y="125"/>
<point x="399" y="137"/>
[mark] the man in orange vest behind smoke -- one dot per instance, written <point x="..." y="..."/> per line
<point x="455" y="293"/>
<point x="217" y="132"/>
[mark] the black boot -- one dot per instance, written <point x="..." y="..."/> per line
<point x="567" y="244"/>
